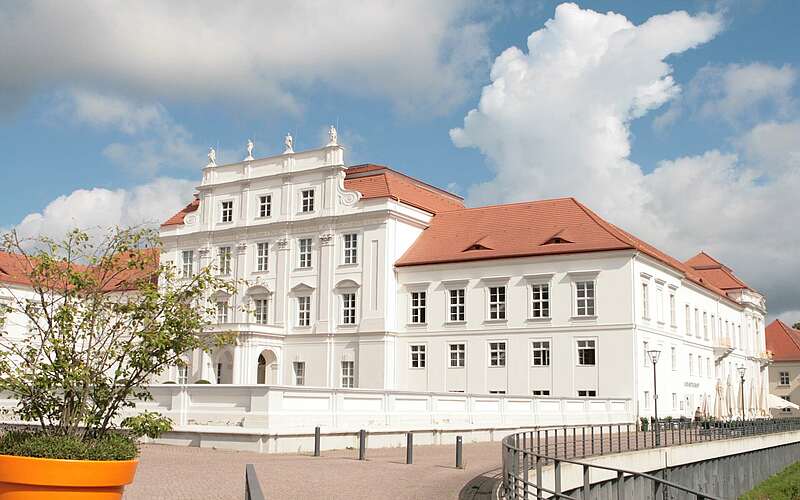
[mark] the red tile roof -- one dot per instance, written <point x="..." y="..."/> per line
<point x="715" y="272"/>
<point x="15" y="270"/>
<point x="378" y="181"/>
<point x="177" y="219"/>
<point x="783" y="341"/>
<point x="546" y="227"/>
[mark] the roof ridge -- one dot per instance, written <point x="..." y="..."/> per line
<point x="516" y="203"/>
<point x="379" y="167"/>
<point x="603" y="223"/>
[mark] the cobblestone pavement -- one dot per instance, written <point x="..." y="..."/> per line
<point x="172" y="472"/>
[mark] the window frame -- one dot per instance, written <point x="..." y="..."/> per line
<point x="226" y="210"/>
<point x="457" y="308"/>
<point x="299" y="375"/>
<point x="460" y="352"/>
<point x="350" y="249"/>
<point x="222" y="311"/>
<point x="646" y="300"/>
<point x="185" y="264"/>
<point x="496" y="302"/>
<point x="261" y="310"/>
<point x="545" y="353"/>
<point x="417" y="307"/>
<point x="417" y="354"/>
<point x="262" y="259"/>
<point x="497" y="353"/>
<point x="305" y="255"/>
<point x="264" y="206"/>
<point x="349" y="312"/>
<point x="347" y="373"/>
<point x="303" y="313"/>
<point x="225" y="267"/>
<point x="544" y="304"/>
<point x="590" y="303"/>
<point x="307" y="203"/>
<point x="579" y="349"/>
<point x="780" y="379"/>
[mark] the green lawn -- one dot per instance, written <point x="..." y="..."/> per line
<point x="784" y="485"/>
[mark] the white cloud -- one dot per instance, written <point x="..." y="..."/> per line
<point x="415" y="53"/>
<point x="94" y="209"/>
<point x="555" y="121"/>
<point x="153" y="139"/>
<point x="736" y="93"/>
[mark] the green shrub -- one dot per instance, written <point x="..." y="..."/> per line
<point x="645" y="423"/>
<point x="202" y="381"/>
<point x="112" y="446"/>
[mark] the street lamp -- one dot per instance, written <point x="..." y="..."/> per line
<point x="742" y="371"/>
<point x="654" y="354"/>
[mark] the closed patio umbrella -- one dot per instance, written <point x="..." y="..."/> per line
<point x="718" y="401"/>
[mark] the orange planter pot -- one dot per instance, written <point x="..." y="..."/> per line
<point x="26" y="478"/>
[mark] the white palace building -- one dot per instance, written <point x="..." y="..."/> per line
<point x="362" y="277"/>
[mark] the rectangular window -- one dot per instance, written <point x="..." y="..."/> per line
<point x="541" y="392"/>
<point x="304" y="252"/>
<point x="784" y="376"/>
<point x="645" y="356"/>
<point x="227" y="211"/>
<point x="307" y="200"/>
<point x="674" y="401"/>
<point x="222" y="311"/>
<point x="691" y="365"/>
<point x="697" y="322"/>
<point x="304" y="311"/>
<point x="261" y="311"/>
<point x="262" y="256"/>
<point x="183" y="374"/>
<point x="418" y="308"/>
<point x="457" y="307"/>
<point x="188" y="263"/>
<point x="674" y="358"/>
<point x="224" y="260"/>
<point x="786" y="398"/>
<point x="541" y="353"/>
<point x="497" y="354"/>
<point x="299" y="368"/>
<point x="584" y="298"/>
<point x="645" y="301"/>
<point x="673" y="320"/>
<point x="348" y="308"/>
<point x="350" y="248"/>
<point x="705" y="325"/>
<point x="713" y="328"/>
<point x="646" y="400"/>
<point x="659" y="304"/>
<point x="540" y="300"/>
<point x="497" y="302"/>
<point x="688" y="314"/>
<point x="458" y="355"/>
<point x="586" y="353"/>
<point x="587" y="394"/>
<point x="497" y="392"/>
<point x="708" y="367"/>
<point x="348" y="374"/>
<point x="417" y="356"/>
<point x="699" y="366"/>
<point x="265" y="205"/>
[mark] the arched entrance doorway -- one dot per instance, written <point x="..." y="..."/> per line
<point x="267" y="368"/>
<point x="223" y="369"/>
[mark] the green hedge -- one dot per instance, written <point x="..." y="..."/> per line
<point x="784" y="485"/>
<point x="114" y="446"/>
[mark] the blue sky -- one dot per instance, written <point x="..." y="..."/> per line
<point x="87" y="107"/>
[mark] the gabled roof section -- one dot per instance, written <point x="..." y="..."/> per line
<point x="523" y="229"/>
<point x="783" y="341"/>
<point x="514" y="230"/>
<point x="716" y="273"/>
<point x="178" y="218"/>
<point x="14" y="269"/>
<point x="378" y="181"/>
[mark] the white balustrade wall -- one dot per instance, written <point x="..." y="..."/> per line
<point x="276" y="409"/>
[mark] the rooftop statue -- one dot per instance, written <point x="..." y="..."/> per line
<point x="289" y="142"/>
<point x="249" y="150"/>
<point x="333" y="137"/>
<point x="212" y="157"/>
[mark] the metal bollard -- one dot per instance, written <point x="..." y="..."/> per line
<point x="316" y="442"/>
<point x="459" y="453"/>
<point x="409" y="448"/>
<point x="362" y="444"/>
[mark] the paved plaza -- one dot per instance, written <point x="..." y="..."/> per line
<point x="167" y="472"/>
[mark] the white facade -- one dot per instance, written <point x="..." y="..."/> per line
<point x="338" y="313"/>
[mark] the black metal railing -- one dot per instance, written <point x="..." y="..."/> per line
<point x="252" y="488"/>
<point x="526" y="453"/>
